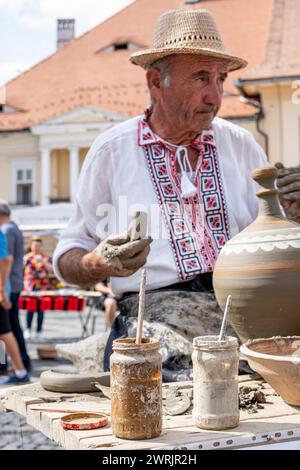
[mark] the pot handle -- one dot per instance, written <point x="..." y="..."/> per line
<point x="268" y="196"/>
<point x="265" y="176"/>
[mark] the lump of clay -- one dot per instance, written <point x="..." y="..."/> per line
<point x="86" y="355"/>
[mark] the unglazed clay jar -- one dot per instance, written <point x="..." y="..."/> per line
<point x="260" y="268"/>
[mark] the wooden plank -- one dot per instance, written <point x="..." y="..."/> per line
<point x="250" y="432"/>
<point x="70" y="439"/>
<point x="43" y="421"/>
<point x="177" y="437"/>
<point x="178" y="431"/>
<point x="12" y="401"/>
<point x="173" y="426"/>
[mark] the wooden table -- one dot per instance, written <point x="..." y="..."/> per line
<point x="277" y="422"/>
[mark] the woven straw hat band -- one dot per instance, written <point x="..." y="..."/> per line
<point x="187" y="30"/>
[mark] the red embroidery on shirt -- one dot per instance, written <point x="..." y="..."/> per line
<point x="198" y="226"/>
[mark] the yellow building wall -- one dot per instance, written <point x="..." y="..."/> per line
<point x="16" y="145"/>
<point x="281" y="123"/>
<point x="290" y="127"/>
<point x="60" y="174"/>
<point x="82" y="155"/>
<point x="5" y="178"/>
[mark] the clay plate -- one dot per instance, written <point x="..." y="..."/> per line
<point x="80" y="421"/>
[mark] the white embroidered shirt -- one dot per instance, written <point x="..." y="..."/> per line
<point x="118" y="177"/>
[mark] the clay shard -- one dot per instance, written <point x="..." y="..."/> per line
<point x="177" y="405"/>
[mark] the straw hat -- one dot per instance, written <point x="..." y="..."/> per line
<point x="186" y="32"/>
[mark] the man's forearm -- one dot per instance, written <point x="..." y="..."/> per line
<point x="75" y="268"/>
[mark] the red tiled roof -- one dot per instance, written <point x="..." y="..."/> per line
<point x="83" y="74"/>
<point x="282" y="51"/>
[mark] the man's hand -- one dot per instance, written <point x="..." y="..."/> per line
<point x="4" y="300"/>
<point x="288" y="183"/>
<point x="117" y="256"/>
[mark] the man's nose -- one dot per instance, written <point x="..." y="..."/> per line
<point x="213" y="95"/>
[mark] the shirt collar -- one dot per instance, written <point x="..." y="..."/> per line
<point x="147" y="137"/>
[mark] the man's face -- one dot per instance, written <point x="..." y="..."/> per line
<point x="193" y="94"/>
<point x="3" y="219"/>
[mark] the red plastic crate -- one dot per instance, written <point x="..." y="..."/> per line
<point x="59" y="303"/>
<point x="31" y="304"/>
<point x="46" y="303"/>
<point x="73" y="303"/>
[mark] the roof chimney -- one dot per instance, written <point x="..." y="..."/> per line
<point x="65" y="31"/>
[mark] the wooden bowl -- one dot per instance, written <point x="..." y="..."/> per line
<point x="277" y="360"/>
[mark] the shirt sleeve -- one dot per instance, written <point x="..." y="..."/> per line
<point x="93" y="192"/>
<point x="10" y="238"/>
<point x="3" y="246"/>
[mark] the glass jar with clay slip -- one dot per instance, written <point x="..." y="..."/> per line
<point x="215" y="376"/>
<point x="136" y="389"/>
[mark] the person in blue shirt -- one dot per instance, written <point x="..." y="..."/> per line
<point x="15" y="244"/>
<point x="20" y="374"/>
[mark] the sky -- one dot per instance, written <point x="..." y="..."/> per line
<point x="28" y="28"/>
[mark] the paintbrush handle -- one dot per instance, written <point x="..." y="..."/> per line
<point x="225" y="316"/>
<point x="62" y="410"/>
<point x="139" y="331"/>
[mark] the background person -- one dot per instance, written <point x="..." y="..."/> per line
<point x="20" y="374"/>
<point x="37" y="267"/>
<point x="15" y="244"/>
<point x="107" y="302"/>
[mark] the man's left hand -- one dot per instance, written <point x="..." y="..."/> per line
<point x="288" y="183"/>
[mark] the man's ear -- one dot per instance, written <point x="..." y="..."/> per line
<point x="154" y="82"/>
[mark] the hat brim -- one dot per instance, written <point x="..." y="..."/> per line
<point x="147" y="57"/>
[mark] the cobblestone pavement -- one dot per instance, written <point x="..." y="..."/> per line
<point x="59" y="327"/>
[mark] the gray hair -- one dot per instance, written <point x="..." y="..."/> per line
<point x="163" y="66"/>
<point x="4" y="208"/>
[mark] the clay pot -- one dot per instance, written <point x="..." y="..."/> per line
<point x="46" y="352"/>
<point x="277" y="360"/>
<point x="260" y="268"/>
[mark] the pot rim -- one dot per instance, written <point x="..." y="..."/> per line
<point x="246" y="351"/>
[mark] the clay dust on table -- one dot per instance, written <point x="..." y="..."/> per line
<point x="251" y="398"/>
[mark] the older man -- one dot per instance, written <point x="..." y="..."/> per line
<point x="189" y="170"/>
